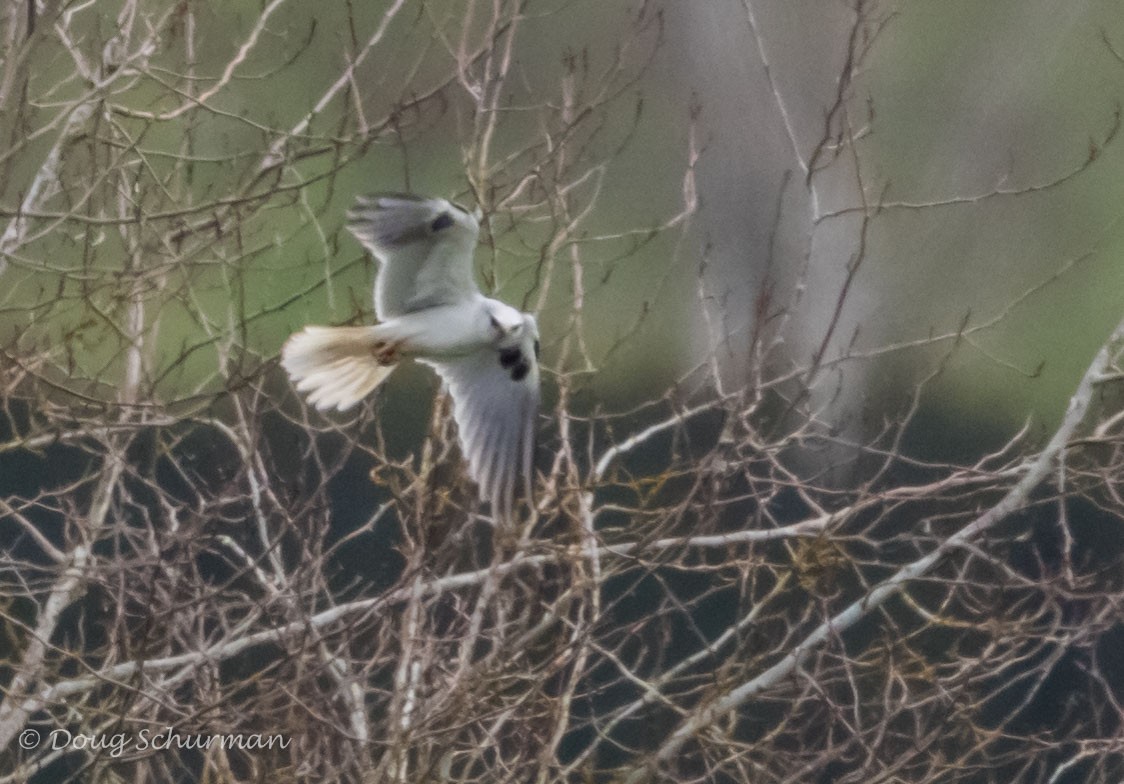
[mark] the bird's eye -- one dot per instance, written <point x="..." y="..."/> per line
<point x="442" y="221"/>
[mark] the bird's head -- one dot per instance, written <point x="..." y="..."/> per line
<point x="506" y="321"/>
<point x="510" y="326"/>
<point x="462" y="216"/>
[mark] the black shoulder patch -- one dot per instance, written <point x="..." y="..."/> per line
<point x="442" y="221"/>
<point x="510" y="357"/>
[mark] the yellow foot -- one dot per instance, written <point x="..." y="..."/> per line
<point x="386" y="354"/>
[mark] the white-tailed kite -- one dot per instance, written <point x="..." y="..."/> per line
<point x="430" y="309"/>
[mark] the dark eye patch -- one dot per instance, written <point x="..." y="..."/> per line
<point x="442" y="221"/>
<point x="519" y="372"/>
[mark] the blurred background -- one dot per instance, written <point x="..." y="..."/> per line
<point x="981" y="146"/>
<point x="987" y="133"/>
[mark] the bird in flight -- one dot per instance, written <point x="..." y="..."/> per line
<point x="430" y="309"/>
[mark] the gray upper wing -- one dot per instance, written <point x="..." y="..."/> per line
<point x="424" y="246"/>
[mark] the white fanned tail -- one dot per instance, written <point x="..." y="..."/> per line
<point x="335" y="366"/>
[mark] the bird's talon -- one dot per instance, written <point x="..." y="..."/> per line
<point x="385" y="354"/>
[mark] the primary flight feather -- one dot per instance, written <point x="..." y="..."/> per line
<point x="430" y="309"/>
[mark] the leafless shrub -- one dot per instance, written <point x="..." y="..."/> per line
<point x="190" y="554"/>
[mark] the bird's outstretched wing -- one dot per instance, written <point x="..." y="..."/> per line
<point x="425" y="249"/>
<point x="495" y="402"/>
